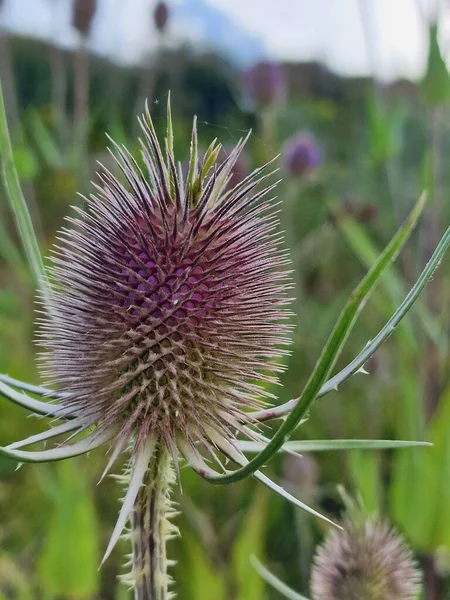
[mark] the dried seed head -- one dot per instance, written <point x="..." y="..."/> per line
<point x="367" y="561"/>
<point x="83" y="13"/>
<point x="168" y="299"/>
<point x="161" y="16"/>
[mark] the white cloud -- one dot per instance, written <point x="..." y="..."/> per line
<point x="327" y="30"/>
<point x="331" y="30"/>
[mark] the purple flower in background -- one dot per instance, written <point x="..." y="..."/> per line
<point x="161" y="16"/>
<point x="266" y="83"/>
<point x="83" y="13"/>
<point x="302" y="155"/>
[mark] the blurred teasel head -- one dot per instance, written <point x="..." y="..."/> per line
<point x="266" y="83"/>
<point x="366" y="560"/>
<point x="301" y="155"/>
<point x="161" y="16"/>
<point x="83" y="13"/>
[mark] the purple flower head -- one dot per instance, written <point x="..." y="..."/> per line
<point x="301" y="155"/>
<point x="266" y="83"/>
<point x="161" y="16"/>
<point x="168" y="300"/>
<point x="83" y="13"/>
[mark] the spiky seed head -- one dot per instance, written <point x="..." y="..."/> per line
<point x="302" y="155"/>
<point x="365" y="561"/>
<point x="168" y="298"/>
<point x="266" y="83"/>
<point x="161" y="16"/>
<point x="83" y="13"/>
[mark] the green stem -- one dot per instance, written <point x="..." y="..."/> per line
<point x="18" y="204"/>
<point x="151" y="528"/>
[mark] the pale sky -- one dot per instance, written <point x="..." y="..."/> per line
<point x="328" y="30"/>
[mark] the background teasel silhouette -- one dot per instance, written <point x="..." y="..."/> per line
<point x="370" y="151"/>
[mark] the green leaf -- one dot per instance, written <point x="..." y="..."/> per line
<point x="328" y="445"/>
<point x="68" y="563"/>
<point x="435" y="85"/>
<point x="250" y="542"/>
<point x="18" y="204"/>
<point x="333" y="347"/>
<point x="365" y="471"/>
<point x="384" y="130"/>
<point x="203" y="580"/>
<point x="420" y="491"/>
<point x="11" y="255"/>
<point x="25" y="161"/>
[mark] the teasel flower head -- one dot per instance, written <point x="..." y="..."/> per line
<point x="168" y="306"/>
<point x="366" y="560"/>
<point x="302" y="155"/>
<point x="161" y="16"/>
<point x="266" y="83"/>
<point x="83" y="13"/>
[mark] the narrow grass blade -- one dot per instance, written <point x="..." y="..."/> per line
<point x="18" y="204"/>
<point x="11" y="255"/>
<point x="331" y="351"/>
<point x="325" y="445"/>
<point x="276" y="583"/>
<point x="44" y="141"/>
<point x="40" y="408"/>
<point x="90" y="442"/>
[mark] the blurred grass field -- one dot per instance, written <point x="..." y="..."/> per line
<point x="381" y="145"/>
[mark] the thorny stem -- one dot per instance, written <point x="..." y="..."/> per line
<point x="151" y="528"/>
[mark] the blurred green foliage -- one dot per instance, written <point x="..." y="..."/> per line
<point x="377" y="145"/>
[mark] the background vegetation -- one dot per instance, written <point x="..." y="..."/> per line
<point x="379" y="146"/>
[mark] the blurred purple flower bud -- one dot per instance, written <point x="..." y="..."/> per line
<point x="83" y="13"/>
<point x="302" y="155"/>
<point x="266" y="83"/>
<point x="161" y="16"/>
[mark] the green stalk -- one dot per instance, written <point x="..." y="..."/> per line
<point x="18" y="204"/>
<point x="151" y="528"/>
